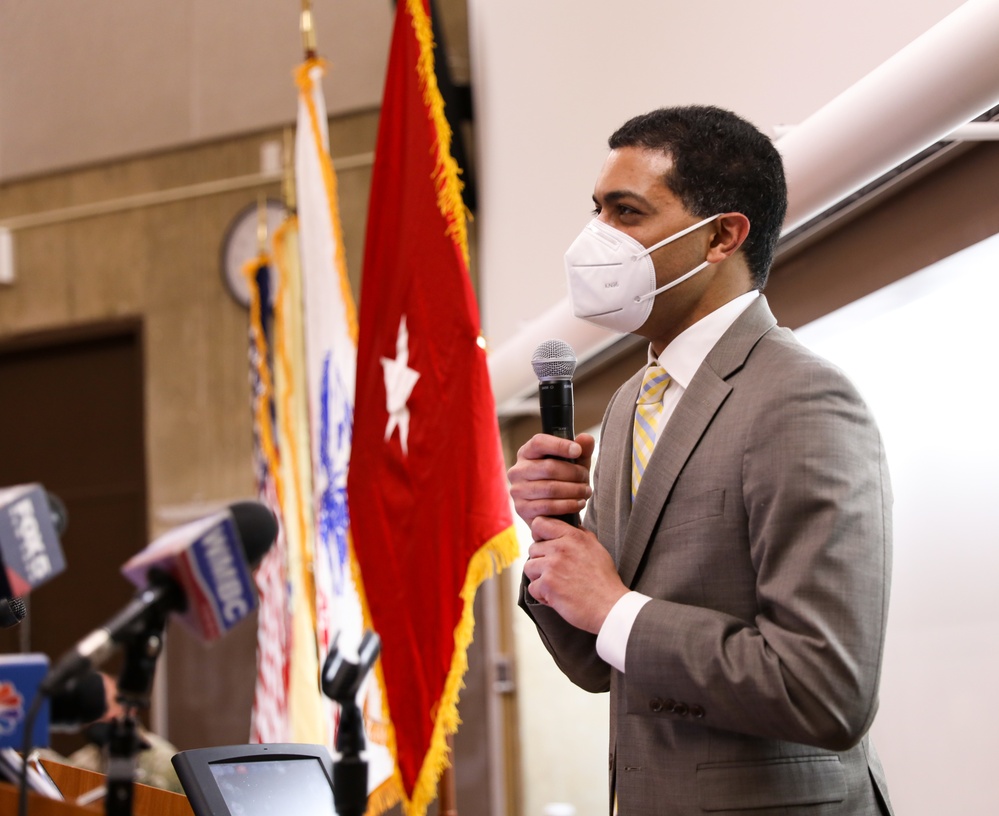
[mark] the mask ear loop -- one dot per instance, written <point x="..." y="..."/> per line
<point x="663" y="243"/>
<point x="677" y="235"/>
<point x="673" y="283"/>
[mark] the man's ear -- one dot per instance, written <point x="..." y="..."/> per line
<point x="730" y="233"/>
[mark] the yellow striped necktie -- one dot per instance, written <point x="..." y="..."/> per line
<point x="647" y="411"/>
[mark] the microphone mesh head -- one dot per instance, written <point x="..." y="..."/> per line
<point x="554" y="360"/>
<point x="12" y="612"/>
<point x="257" y="529"/>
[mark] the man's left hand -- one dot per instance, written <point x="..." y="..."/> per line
<point x="570" y="571"/>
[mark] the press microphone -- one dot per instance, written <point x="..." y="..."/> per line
<point x="84" y="700"/>
<point x="200" y="572"/>
<point x="554" y="363"/>
<point x="12" y="611"/>
<point x="31" y="521"/>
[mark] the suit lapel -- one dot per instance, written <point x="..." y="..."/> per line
<point x="706" y="393"/>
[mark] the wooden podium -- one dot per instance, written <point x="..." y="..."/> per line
<point x="74" y="782"/>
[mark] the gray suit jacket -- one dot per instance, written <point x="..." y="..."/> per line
<point x="762" y="532"/>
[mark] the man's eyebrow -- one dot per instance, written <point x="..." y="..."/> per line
<point x="614" y="196"/>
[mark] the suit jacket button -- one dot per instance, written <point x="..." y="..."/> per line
<point x="656" y="704"/>
<point x="681" y="709"/>
<point x="696" y="712"/>
<point x="669" y="706"/>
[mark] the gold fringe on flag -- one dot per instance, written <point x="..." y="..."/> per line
<point x="446" y="175"/>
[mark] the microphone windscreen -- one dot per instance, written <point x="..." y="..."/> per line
<point x="554" y="360"/>
<point x="257" y="529"/>
<point x="12" y="611"/>
<point x="82" y="701"/>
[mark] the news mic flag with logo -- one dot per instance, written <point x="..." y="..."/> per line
<point x="20" y="677"/>
<point x="427" y="487"/>
<point x="206" y="558"/>
<point x="29" y="544"/>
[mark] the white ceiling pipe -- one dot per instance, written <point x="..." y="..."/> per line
<point x="927" y="90"/>
<point x="937" y="83"/>
<point x="513" y="378"/>
<point x="971" y="132"/>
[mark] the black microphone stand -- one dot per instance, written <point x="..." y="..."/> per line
<point x="135" y="682"/>
<point x="341" y="681"/>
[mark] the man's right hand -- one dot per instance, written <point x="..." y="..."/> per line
<point x="551" y="476"/>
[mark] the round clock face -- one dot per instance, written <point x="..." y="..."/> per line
<point x="240" y="246"/>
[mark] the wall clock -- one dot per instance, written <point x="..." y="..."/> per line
<point x="239" y="245"/>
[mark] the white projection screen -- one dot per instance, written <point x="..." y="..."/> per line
<point x="922" y="351"/>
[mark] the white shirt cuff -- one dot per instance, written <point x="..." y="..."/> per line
<point x="612" y="639"/>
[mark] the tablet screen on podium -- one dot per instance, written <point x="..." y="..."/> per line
<point x="258" y="780"/>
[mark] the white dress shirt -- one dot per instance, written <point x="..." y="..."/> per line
<point x="681" y="359"/>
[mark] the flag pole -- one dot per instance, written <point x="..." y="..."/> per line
<point x="288" y="168"/>
<point x="446" y="785"/>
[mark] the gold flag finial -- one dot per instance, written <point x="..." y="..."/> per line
<point x="308" y="30"/>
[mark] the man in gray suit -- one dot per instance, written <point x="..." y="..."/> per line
<point x="729" y="585"/>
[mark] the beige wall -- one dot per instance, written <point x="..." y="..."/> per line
<point x="85" y="82"/>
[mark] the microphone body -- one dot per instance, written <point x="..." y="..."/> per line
<point x="554" y="363"/>
<point x="555" y="398"/>
<point x="201" y="571"/>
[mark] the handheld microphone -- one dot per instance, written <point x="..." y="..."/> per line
<point x="554" y="363"/>
<point x="201" y="571"/>
<point x="29" y="543"/>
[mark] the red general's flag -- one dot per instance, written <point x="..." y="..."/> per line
<point x="427" y="489"/>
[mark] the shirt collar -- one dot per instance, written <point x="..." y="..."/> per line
<point x="684" y="355"/>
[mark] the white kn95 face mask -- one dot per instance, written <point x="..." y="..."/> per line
<point x="611" y="278"/>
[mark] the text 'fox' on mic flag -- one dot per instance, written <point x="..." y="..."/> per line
<point x="427" y="487"/>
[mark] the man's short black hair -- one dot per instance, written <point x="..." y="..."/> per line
<point x="720" y="163"/>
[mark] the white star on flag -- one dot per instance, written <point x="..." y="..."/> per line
<point x="399" y="382"/>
